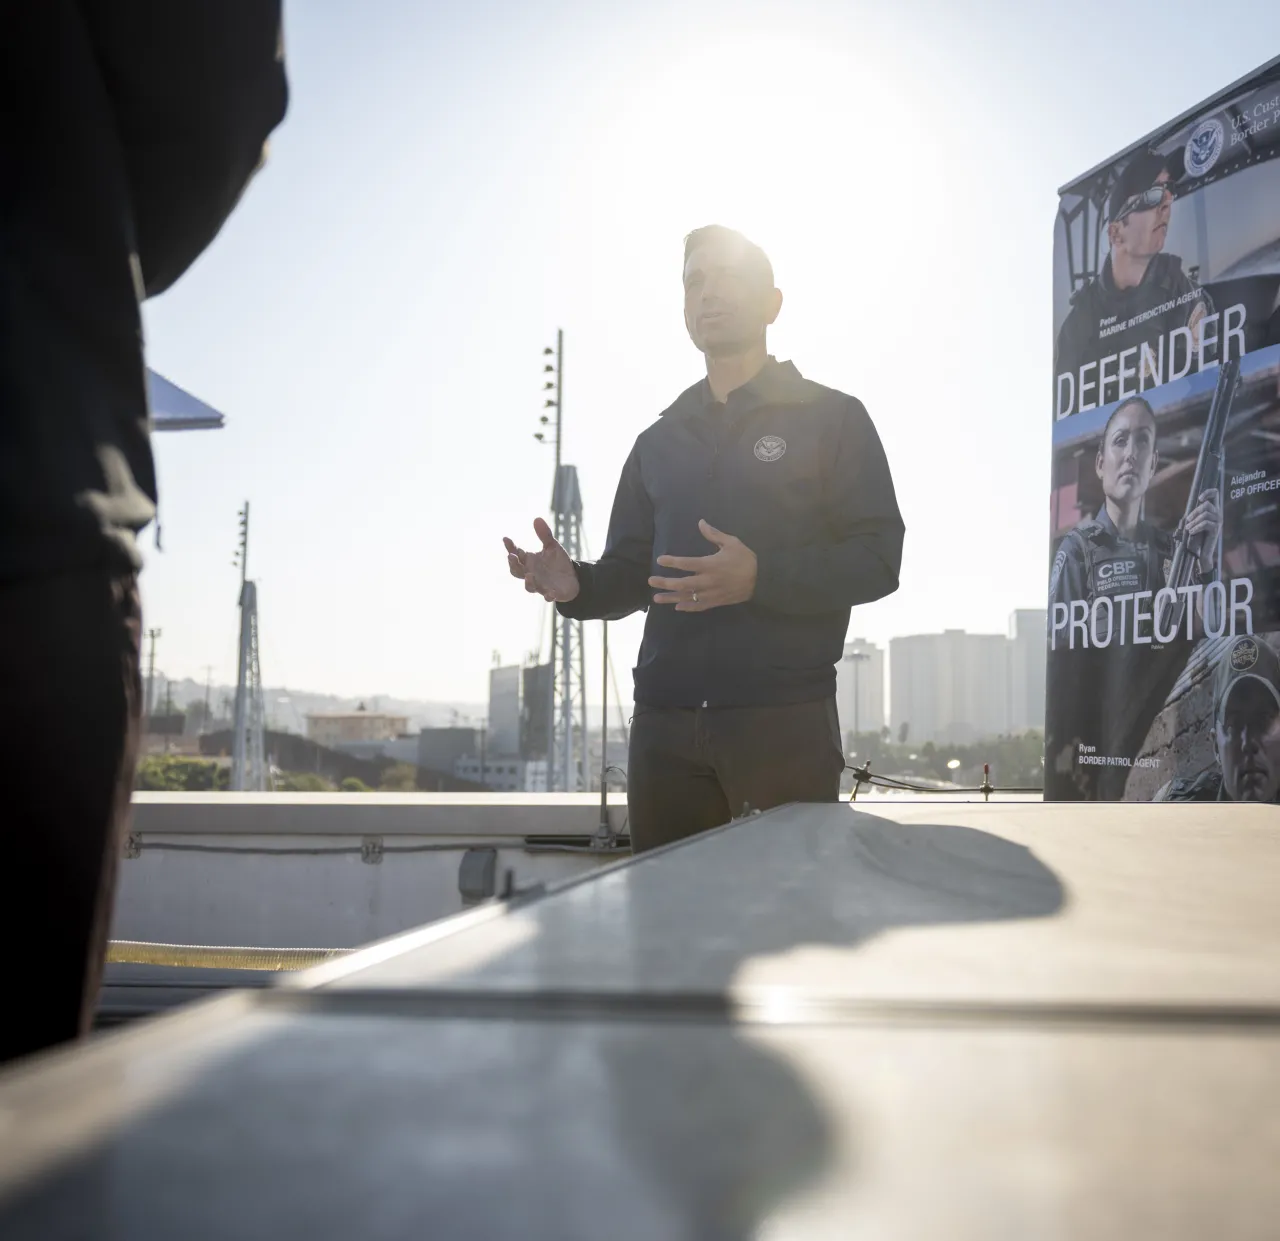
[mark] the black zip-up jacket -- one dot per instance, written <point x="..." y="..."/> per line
<point x="797" y="472"/>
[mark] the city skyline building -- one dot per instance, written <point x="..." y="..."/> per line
<point x="441" y="748"/>
<point x="1027" y="637"/>
<point x="335" y="728"/>
<point x="504" y="710"/>
<point x="958" y="687"/>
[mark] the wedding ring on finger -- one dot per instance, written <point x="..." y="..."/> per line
<point x="695" y="596"/>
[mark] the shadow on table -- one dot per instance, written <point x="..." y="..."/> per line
<point x="377" y="1123"/>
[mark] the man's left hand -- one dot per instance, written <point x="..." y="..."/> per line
<point x="728" y="576"/>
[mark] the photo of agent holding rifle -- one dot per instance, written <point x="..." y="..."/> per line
<point x="1116" y="551"/>
<point x="1108" y="697"/>
<point x="749" y="519"/>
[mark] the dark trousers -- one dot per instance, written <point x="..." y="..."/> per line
<point x="70" y="706"/>
<point x="694" y="768"/>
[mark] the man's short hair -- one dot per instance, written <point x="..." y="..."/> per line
<point x="1140" y="401"/>
<point x="756" y="258"/>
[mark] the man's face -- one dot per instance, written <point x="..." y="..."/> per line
<point x="728" y="302"/>
<point x="1249" y="743"/>
<point x="1141" y="234"/>
<point x="1126" y="461"/>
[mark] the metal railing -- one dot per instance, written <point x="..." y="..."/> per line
<point x="863" y="775"/>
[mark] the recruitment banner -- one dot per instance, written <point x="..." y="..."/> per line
<point x="1164" y="582"/>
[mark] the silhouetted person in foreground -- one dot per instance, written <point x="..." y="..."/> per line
<point x="749" y="519"/>
<point x="130" y="130"/>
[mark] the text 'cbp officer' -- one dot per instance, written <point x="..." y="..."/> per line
<point x="1246" y="730"/>
<point x="1116" y="552"/>
<point x="749" y="519"/>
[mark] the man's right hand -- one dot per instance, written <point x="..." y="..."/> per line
<point x="549" y="572"/>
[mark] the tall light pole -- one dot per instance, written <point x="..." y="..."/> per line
<point x="552" y="402"/>
<point x="152" y="635"/>
<point x="208" y="690"/>
<point x="567" y="754"/>
<point x="554" y="384"/>
<point x="855" y="658"/>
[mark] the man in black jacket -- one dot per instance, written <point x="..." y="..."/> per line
<point x="787" y="483"/>
<point x="130" y="128"/>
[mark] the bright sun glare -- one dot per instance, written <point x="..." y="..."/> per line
<point x="763" y="136"/>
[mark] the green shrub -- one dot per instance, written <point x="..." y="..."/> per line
<point x="302" y="782"/>
<point x="399" y="778"/>
<point x="174" y="773"/>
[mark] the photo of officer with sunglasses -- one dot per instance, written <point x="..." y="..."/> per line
<point x="1136" y="278"/>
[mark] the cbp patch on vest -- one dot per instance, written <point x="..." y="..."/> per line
<point x="1115" y="574"/>
<point x="1244" y="655"/>
<point x="1058" y="561"/>
<point x="770" y="447"/>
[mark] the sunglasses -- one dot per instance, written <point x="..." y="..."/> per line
<point x="1148" y="200"/>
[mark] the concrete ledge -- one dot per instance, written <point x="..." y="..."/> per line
<point x="489" y="815"/>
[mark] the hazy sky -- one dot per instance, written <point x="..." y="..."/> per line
<point x="455" y="182"/>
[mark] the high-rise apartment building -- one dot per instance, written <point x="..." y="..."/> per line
<point x="1027" y="638"/>
<point x="504" y="710"/>
<point x="950" y="686"/>
<point x="960" y="687"/>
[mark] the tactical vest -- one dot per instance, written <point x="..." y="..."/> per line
<point x="1118" y="566"/>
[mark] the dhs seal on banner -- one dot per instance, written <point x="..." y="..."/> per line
<point x="770" y="447"/>
<point x="1204" y="146"/>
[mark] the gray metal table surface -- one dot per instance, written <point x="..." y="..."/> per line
<point x="1003" y="904"/>
<point x="814" y="1023"/>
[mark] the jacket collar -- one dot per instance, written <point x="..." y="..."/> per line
<point x="776" y="383"/>
<point x="1161" y="271"/>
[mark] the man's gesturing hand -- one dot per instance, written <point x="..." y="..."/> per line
<point x="549" y="572"/>
<point x="727" y="576"/>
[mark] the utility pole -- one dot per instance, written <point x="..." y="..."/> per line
<point x="568" y="759"/>
<point x="559" y="394"/>
<point x="152" y="635"/>
<point x="248" y="757"/>
<point x="570" y="685"/>
<point x="556" y="385"/>
<point x="208" y="690"/>
<point x="168" y="712"/>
